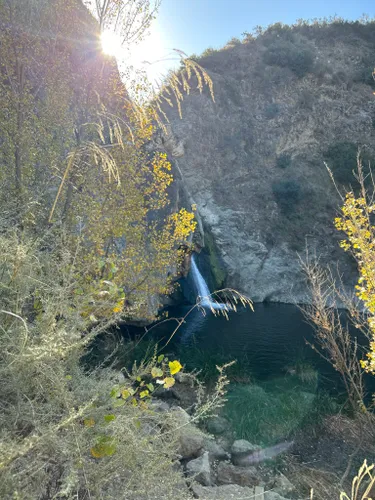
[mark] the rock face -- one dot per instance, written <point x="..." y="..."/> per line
<point x="253" y="160"/>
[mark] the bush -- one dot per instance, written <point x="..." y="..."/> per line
<point x="65" y="429"/>
<point x="208" y="52"/>
<point x="306" y="100"/>
<point x="283" y="161"/>
<point x="287" y="195"/>
<point x="272" y="110"/>
<point x="341" y="158"/>
<point x="365" y="73"/>
<point x="296" y="56"/>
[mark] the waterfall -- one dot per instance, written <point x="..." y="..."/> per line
<point x="202" y="288"/>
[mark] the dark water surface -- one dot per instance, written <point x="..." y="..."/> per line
<point x="279" y="383"/>
<point x="268" y="342"/>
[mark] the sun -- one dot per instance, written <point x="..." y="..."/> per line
<point x="111" y="43"/>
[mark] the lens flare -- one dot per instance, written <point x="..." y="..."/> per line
<point x="111" y="43"/>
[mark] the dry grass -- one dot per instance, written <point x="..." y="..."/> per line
<point x="53" y="413"/>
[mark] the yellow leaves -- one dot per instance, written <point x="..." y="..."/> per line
<point x="89" y="422"/>
<point x="355" y="223"/>
<point x="174" y="367"/>
<point x="156" y="372"/>
<point x="184" y="224"/>
<point x="125" y="394"/>
<point x="169" y="382"/>
<point x="119" y="307"/>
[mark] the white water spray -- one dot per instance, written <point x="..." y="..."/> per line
<point x="202" y="288"/>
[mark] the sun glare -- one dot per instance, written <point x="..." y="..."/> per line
<point x="111" y="43"/>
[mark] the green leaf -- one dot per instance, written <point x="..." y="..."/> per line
<point x="109" y="418"/>
<point x="160" y="358"/>
<point x="151" y="387"/>
<point x="105" y="447"/>
<point x="118" y="403"/>
<point x="144" y="394"/>
<point x="115" y="392"/>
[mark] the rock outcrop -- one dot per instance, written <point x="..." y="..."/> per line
<point x="253" y="160"/>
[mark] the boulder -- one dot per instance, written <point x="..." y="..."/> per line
<point x="191" y="441"/>
<point x="180" y="415"/>
<point x="226" y="492"/>
<point x="200" y="469"/>
<point x="216" y="452"/>
<point x="243" y="476"/>
<point x="272" y="495"/>
<point x="281" y="485"/>
<point x="217" y="425"/>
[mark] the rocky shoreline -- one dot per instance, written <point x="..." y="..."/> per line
<point x="214" y="463"/>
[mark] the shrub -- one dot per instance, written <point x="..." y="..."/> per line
<point x="283" y="161"/>
<point x="287" y="195"/>
<point x="341" y="158"/>
<point x="233" y="42"/>
<point x="296" y="56"/>
<point x="208" y="52"/>
<point x="272" y="110"/>
<point x="306" y="100"/>
<point x="65" y="429"/>
<point x="366" y="72"/>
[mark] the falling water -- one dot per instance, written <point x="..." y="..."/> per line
<point x="202" y="288"/>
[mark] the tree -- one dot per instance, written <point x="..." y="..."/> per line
<point x="129" y="19"/>
<point x="90" y="239"/>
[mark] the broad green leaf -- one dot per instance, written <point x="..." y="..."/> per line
<point x="105" y="447"/>
<point x="160" y="358"/>
<point x="144" y="394"/>
<point x="118" y="403"/>
<point x="150" y="387"/>
<point x="115" y="392"/>
<point x="109" y="418"/>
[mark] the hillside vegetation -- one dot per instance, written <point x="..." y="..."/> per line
<point x="287" y="99"/>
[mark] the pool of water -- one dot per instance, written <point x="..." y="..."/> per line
<point x="269" y="342"/>
<point x="279" y="384"/>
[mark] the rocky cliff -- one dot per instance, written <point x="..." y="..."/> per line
<point x="286" y="101"/>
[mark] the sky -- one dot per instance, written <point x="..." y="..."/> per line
<point x="194" y="25"/>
